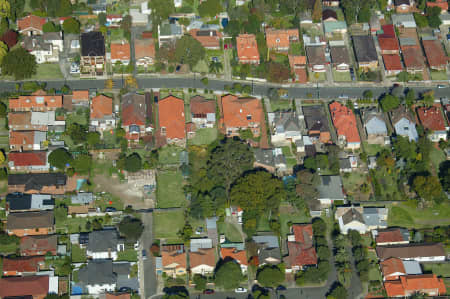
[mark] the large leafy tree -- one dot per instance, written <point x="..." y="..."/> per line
<point x="59" y="158"/>
<point x="270" y="276"/>
<point x="161" y="9"/>
<point x="71" y="25"/>
<point x="228" y="275"/>
<point x="389" y="102"/>
<point x="444" y="175"/>
<point x="131" y="228"/>
<point x="209" y="8"/>
<point x="5" y="8"/>
<point x="189" y="50"/>
<point x="16" y="7"/>
<point x="19" y="63"/>
<point x="50" y="27"/>
<point x="427" y="187"/>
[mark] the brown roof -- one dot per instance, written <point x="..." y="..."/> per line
<point x="120" y="51"/>
<point x="101" y="106"/>
<point x="133" y="109"/>
<point x="23" y="264"/>
<point x="202" y="257"/>
<point x="29" y="220"/>
<point x="80" y="95"/>
<point x="316" y="55"/>
<point x="392" y="62"/>
<point x="173" y="257"/>
<point x="435" y="53"/>
<point x="339" y="55"/>
<point x="296" y="60"/>
<point x="38" y="245"/>
<point x="118" y="296"/>
<point x="236" y="111"/>
<point x="32" y="158"/>
<point x="36" y="286"/>
<point x="388" y="43"/>
<point x="21" y="138"/>
<point x="401" y="112"/>
<point x="31" y="21"/>
<point x="409" y="251"/>
<point x="392" y="266"/>
<point x="329" y="13"/>
<point x="412" y="57"/>
<point x="202" y="106"/>
<point x="19" y="119"/>
<point x="300" y="255"/>
<point x="208" y="38"/>
<point x="432" y="117"/>
<point x="84" y="209"/>
<point x="390" y="235"/>
<point x="144" y="48"/>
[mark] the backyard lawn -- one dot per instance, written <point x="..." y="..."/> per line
<point x="169" y="189"/>
<point x="353" y="183"/>
<point x="78" y="254"/>
<point x="80" y="117"/>
<point x="167" y="224"/>
<point x="47" y="71"/>
<point x="437" y="156"/>
<point x="230" y="231"/>
<point x="170" y="154"/>
<point x="290" y="214"/>
<point x="341" y="76"/>
<point x="408" y="215"/>
<point x="440" y="269"/>
<point x="204" y="136"/>
<point x="372" y="149"/>
<point x="385" y="185"/>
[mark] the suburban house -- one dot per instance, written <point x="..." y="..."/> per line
<point x="317" y="123"/>
<point x="241" y="114"/>
<point x="203" y="112"/>
<point x="38" y="101"/>
<point x="55" y="39"/>
<point x="374" y="125"/>
<point x="393" y="268"/>
<point x="388" y="44"/>
<point x="403" y="6"/>
<point x="420" y="252"/>
<point x="286" y="127"/>
<point x="298" y="67"/>
<point x="413" y="59"/>
<point x="443" y="4"/>
<point x="404" y="20"/>
<point x="144" y="52"/>
<point x="404" y="123"/>
<point x="19" y="202"/>
<point x="340" y="58"/>
<point x="133" y="116"/>
<point x="38" y="245"/>
<point x="432" y="119"/>
<point x="332" y="3"/>
<point x="21" y="121"/>
<point x="208" y="38"/>
<point x="329" y="15"/>
<point x="98" y="277"/>
<point x="22" y="266"/>
<point x="330" y="190"/>
<point x="102" y="116"/>
<point x="268" y="249"/>
<point x="113" y="20"/>
<point x="302" y="252"/>
<point x="174" y="261"/>
<point x="392" y="64"/>
<point x="436" y="57"/>
<point x="391" y="236"/>
<point x="281" y="39"/>
<point x="172" y="120"/>
<point x="247" y="49"/>
<point x="271" y="160"/>
<point x="80" y="98"/>
<point x="42" y="50"/>
<point x="239" y="256"/>
<point x="45" y="183"/>
<point x="365" y="51"/>
<point x="120" y="52"/>
<point x="409" y="285"/>
<point x="202" y="261"/>
<point x="360" y="219"/>
<point x="92" y="54"/>
<point x="104" y="244"/>
<point x="334" y="27"/>
<point x="31" y="25"/>
<point x="30" y="287"/>
<point x="169" y="33"/>
<point x="27" y="140"/>
<point x="316" y="58"/>
<point x="30" y="223"/>
<point x="34" y="161"/>
<point x="344" y="121"/>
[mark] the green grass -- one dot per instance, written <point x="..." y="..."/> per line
<point x="352" y="184"/>
<point x="385" y="184"/>
<point x="291" y="162"/>
<point x="230" y="230"/>
<point x="408" y="215"/>
<point x="170" y="154"/>
<point x="116" y="34"/>
<point x="263" y="224"/>
<point x="281" y="105"/>
<point x="78" y="254"/>
<point x="440" y="269"/>
<point x="167" y="224"/>
<point x="372" y="149"/>
<point x="78" y="117"/>
<point x="204" y="136"/>
<point x="321" y="76"/>
<point x="47" y="71"/>
<point x="169" y="189"/>
<point x="10" y="248"/>
<point x="437" y="156"/>
<point x="108" y="200"/>
<point x="341" y="76"/>
<point x="374" y="273"/>
<point x="202" y="66"/>
<point x="438" y="75"/>
<point x="75" y="225"/>
<point x="129" y="255"/>
<point x="295" y="217"/>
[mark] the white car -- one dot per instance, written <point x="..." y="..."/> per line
<point x="240" y="290"/>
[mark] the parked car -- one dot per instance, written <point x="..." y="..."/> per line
<point x="144" y="254"/>
<point x="352" y="74"/>
<point x="125" y="290"/>
<point x="343" y="97"/>
<point x="441" y="86"/>
<point x="215" y="59"/>
<point x="281" y="288"/>
<point x="240" y="290"/>
<point x="110" y="209"/>
<point x="208" y="292"/>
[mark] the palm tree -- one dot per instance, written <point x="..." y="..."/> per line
<point x="215" y="67"/>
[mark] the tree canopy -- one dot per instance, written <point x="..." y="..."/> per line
<point x="19" y="63"/>
<point x="189" y="50"/>
<point x="228" y="275"/>
<point x="131" y="228"/>
<point x="270" y="276"/>
<point x="59" y="158"/>
<point x="427" y="187"/>
<point x="71" y="25"/>
<point x="161" y="9"/>
<point x="50" y="27"/>
<point x="389" y="102"/>
<point x="209" y="8"/>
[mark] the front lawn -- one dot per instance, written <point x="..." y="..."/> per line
<point x="78" y="254"/>
<point x="317" y="76"/>
<point x="438" y="75"/>
<point x="169" y="154"/>
<point x="10" y="248"/>
<point x="281" y="105"/>
<point x="230" y="231"/>
<point x="341" y="76"/>
<point x="169" y="189"/>
<point x="167" y="224"/>
<point x="47" y="71"/>
<point x="408" y="215"/>
<point x="204" y="136"/>
<point x="129" y="255"/>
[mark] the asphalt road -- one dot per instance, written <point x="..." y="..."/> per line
<point x="259" y="89"/>
<point x="150" y="282"/>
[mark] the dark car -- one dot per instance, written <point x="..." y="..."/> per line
<point x="177" y="69"/>
<point x="352" y="74"/>
<point x="208" y="292"/>
<point x="125" y="290"/>
<point x="110" y="209"/>
<point x="281" y="288"/>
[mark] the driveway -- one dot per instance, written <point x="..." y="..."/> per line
<point x="147" y="273"/>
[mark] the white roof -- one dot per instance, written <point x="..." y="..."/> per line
<point x="53" y="285"/>
<point x="43" y="118"/>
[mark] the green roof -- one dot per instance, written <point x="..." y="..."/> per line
<point x="329" y="27"/>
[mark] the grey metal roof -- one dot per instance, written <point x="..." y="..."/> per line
<point x="83" y="198"/>
<point x="271" y="241"/>
<point x="412" y="267"/>
<point x="39" y="137"/>
<point x="43" y="118"/>
<point x="103" y="240"/>
<point x="204" y="243"/>
<point x="330" y="187"/>
<point x="97" y="272"/>
<point x="264" y="156"/>
<point x="211" y="223"/>
<point x="344" y="163"/>
<point x="372" y="216"/>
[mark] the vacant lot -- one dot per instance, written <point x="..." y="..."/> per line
<point x="169" y="189"/>
<point x="408" y="215"/>
<point x="167" y="224"/>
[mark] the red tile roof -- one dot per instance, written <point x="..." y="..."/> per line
<point x="22" y="264"/>
<point x="443" y="4"/>
<point x="392" y="266"/>
<point x="296" y="60"/>
<point x="389" y="236"/>
<point x="101" y="106"/>
<point x="388" y="31"/>
<point x="411" y="284"/>
<point x="435" y="53"/>
<point x="392" y="62"/>
<point x="171" y="116"/>
<point x="133" y="110"/>
<point x="202" y="257"/>
<point x="31" y="21"/>
<point x="144" y="48"/>
<point x="34" y="158"/>
<point x="20" y="138"/>
<point x="173" y="257"/>
<point x="299" y="255"/>
<point x="412" y="57"/>
<point x="80" y="95"/>
<point x="233" y="253"/>
<point x="431" y="118"/>
<point x="118" y="296"/>
<point x="235" y="111"/>
<point x="120" y="51"/>
<point x="303" y="233"/>
<point x="281" y="38"/>
<point x="38" y="245"/>
<point x="35" y="101"/>
<point x="247" y="48"/>
<point x="388" y="43"/>
<point x="345" y="122"/>
<point x="208" y="38"/>
<point x="23" y="286"/>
